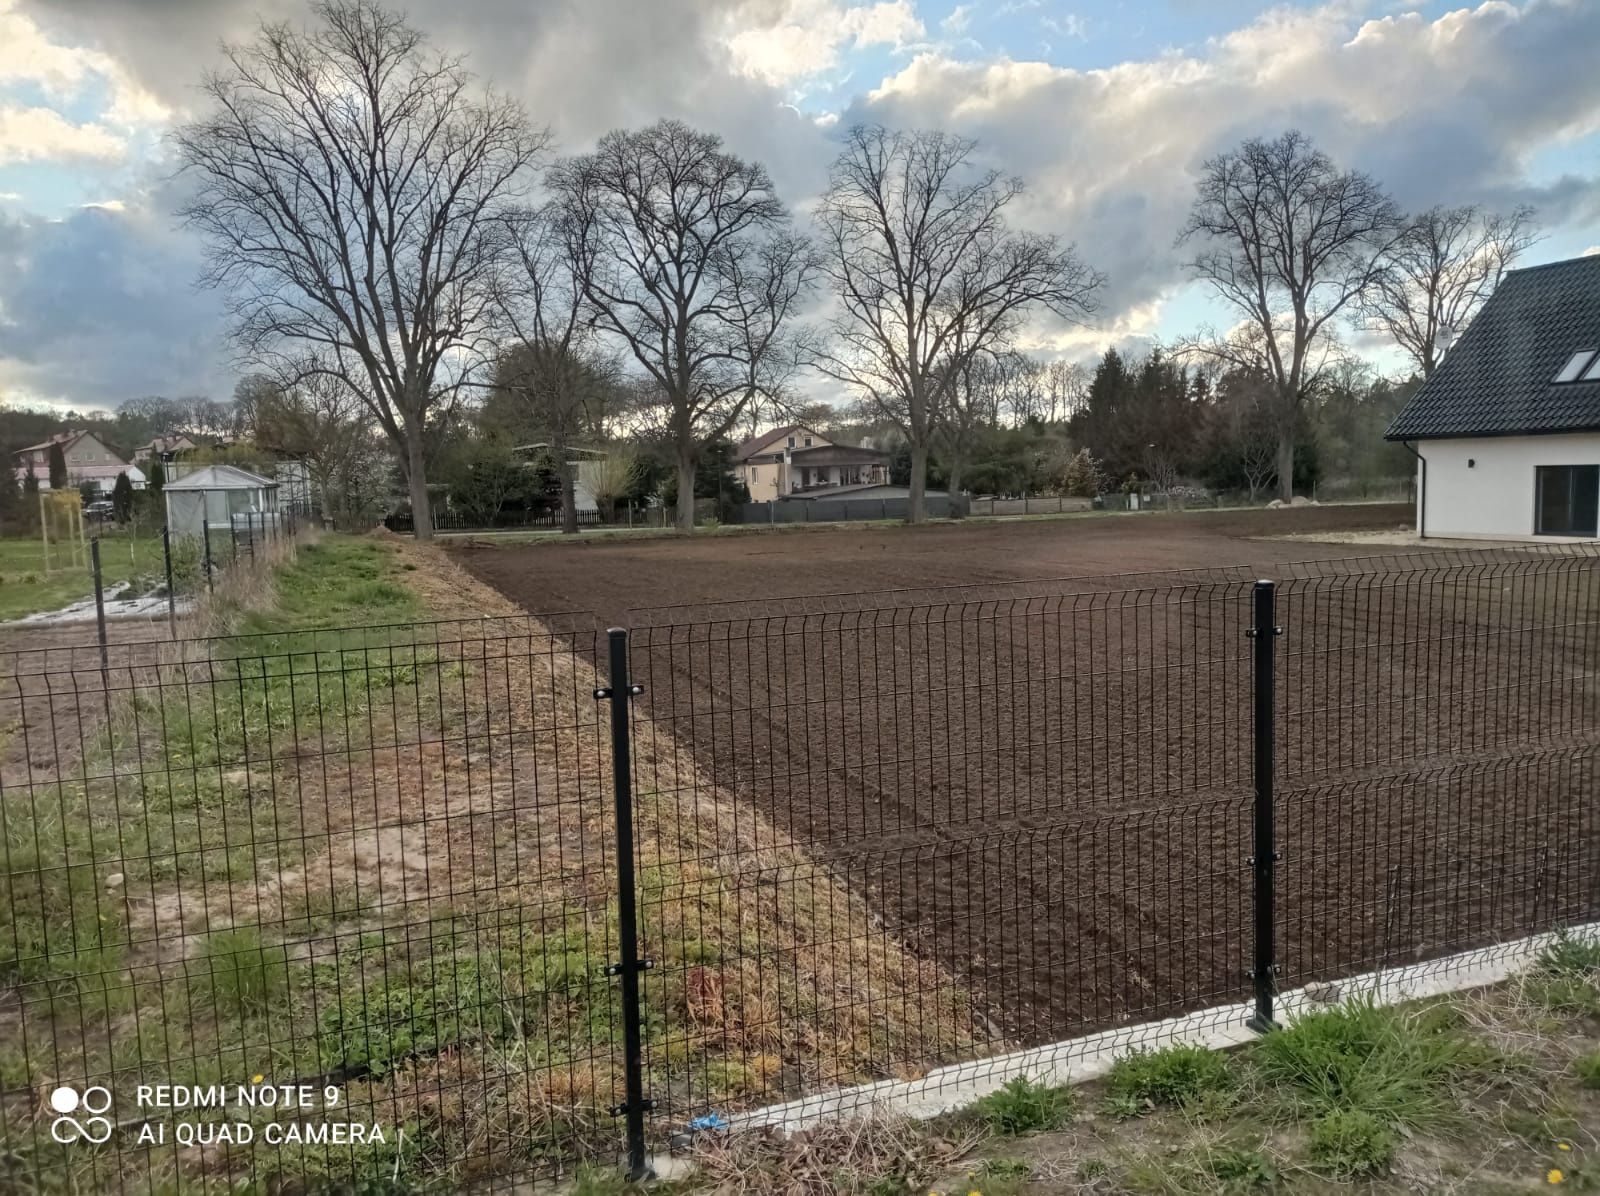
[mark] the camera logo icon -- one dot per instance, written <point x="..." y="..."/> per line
<point x="93" y="1128"/>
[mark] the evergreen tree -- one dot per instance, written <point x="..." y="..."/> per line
<point x="157" y="478"/>
<point x="58" y="466"/>
<point x="122" y="499"/>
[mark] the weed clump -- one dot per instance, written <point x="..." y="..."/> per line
<point x="1023" y="1106"/>
<point x="1394" y="1065"/>
<point x="1175" y="1076"/>
<point x="1349" y="1143"/>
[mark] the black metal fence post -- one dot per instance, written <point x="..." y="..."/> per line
<point x="250" y="532"/>
<point x="1264" y="836"/>
<point x="99" y="600"/>
<point x="172" y="598"/>
<point x="621" y="694"/>
<point x="205" y="534"/>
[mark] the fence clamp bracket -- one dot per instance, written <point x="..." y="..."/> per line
<point x="1250" y="633"/>
<point x="622" y="1110"/>
<point x="620" y="969"/>
<point x="603" y="692"/>
<point x="1273" y="857"/>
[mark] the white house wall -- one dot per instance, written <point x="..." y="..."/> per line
<point x="1493" y="497"/>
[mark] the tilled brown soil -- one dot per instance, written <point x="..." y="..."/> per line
<point x="1046" y="784"/>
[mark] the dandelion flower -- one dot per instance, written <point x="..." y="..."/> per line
<point x="1563" y="1146"/>
<point x="1554" y="1176"/>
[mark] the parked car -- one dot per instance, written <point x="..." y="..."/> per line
<point x="100" y="509"/>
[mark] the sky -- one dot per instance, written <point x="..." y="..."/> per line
<point x="1105" y="110"/>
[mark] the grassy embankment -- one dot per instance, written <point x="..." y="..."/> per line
<point x="269" y="864"/>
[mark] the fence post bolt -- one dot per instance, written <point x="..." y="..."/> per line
<point x="620" y="693"/>
<point x="99" y="600"/>
<point x="1264" y="836"/>
<point x="166" y="556"/>
<point x="205" y="534"/>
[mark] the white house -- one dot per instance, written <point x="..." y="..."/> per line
<point x="1507" y="430"/>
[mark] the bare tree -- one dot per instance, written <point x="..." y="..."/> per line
<point x="687" y="259"/>
<point x="1289" y="242"/>
<point x="320" y="422"/>
<point x="928" y="275"/>
<point x="553" y="369"/>
<point x="348" y="182"/>
<point x="1440" y="272"/>
<point x="1066" y="390"/>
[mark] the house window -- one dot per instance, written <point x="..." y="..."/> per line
<point x="755" y="474"/>
<point x="791" y="442"/>
<point x="1573" y="370"/>
<point x="808" y="442"/>
<point x="1566" y="500"/>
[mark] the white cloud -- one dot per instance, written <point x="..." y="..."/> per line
<point x="42" y="134"/>
<point x="1445" y="111"/>
<point x="107" y="205"/>
<point x="28" y="56"/>
<point x="959" y="19"/>
<point x="1592" y="251"/>
<point x="807" y="37"/>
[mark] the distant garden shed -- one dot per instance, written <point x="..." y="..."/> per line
<point x="221" y="495"/>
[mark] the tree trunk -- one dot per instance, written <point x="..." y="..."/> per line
<point x="953" y="488"/>
<point x="1286" y="464"/>
<point x="569" y="500"/>
<point x="683" y="517"/>
<point x="919" y="483"/>
<point x="417" y="480"/>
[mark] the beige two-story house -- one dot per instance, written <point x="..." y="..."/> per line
<point x="795" y="459"/>
<point x="88" y="458"/>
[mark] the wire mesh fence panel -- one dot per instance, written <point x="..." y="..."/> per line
<point x="1438" y="717"/>
<point x="1437" y="657"/>
<point x="1429" y="864"/>
<point x="364" y="871"/>
<point x="939" y="830"/>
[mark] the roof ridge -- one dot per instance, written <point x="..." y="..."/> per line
<point x="1566" y="261"/>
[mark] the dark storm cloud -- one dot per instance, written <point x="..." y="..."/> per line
<point x="101" y="307"/>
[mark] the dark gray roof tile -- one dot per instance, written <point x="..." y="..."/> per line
<point x="1496" y="381"/>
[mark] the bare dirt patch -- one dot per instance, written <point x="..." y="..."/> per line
<point x="1045" y="784"/>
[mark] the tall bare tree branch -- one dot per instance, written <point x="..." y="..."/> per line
<point x="347" y="185"/>
<point x="687" y="260"/>
<point x="1440" y="272"/>
<point x="928" y="276"/>
<point x="1291" y="243"/>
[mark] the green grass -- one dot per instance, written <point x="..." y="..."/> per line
<point x="1174" y="1076"/>
<point x="27" y="587"/>
<point x="1023" y="1106"/>
<point x="1348" y="1143"/>
<point x="246" y="975"/>
<point x="1208" y="1165"/>
<point x="1570" y="955"/>
<point x="1395" y="1065"/>
<point x="1587" y="1069"/>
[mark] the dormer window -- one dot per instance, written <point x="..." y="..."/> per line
<point x="1573" y="371"/>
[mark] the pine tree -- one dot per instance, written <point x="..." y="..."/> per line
<point x="158" y="476"/>
<point x="58" y="466"/>
<point x="122" y="499"/>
